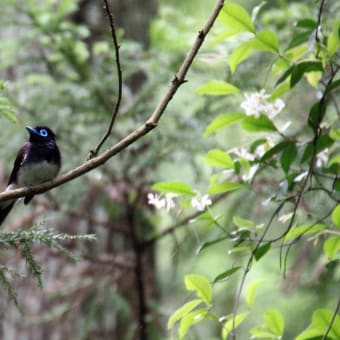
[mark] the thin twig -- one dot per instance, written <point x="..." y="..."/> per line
<point x="94" y="152"/>
<point x="318" y="26"/>
<point x="174" y="227"/>
<point x="139" y="132"/>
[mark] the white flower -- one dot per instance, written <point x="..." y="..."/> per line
<point x="322" y="158"/>
<point x="200" y="202"/>
<point x="252" y="171"/>
<point x="275" y="108"/>
<point x="169" y="202"/>
<point x="256" y="103"/>
<point x="156" y="200"/>
<point x="242" y="153"/>
<point x="160" y="202"/>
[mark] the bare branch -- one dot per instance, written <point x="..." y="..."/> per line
<point x="94" y="152"/>
<point x="149" y="125"/>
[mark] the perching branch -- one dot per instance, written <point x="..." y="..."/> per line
<point x="139" y="132"/>
<point x="94" y="152"/>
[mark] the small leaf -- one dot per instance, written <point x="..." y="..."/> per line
<point x="288" y="156"/>
<point x="260" y="333"/>
<point x="274" y="321"/>
<point x="238" y="55"/>
<point x="331" y="246"/>
<point x="208" y="244"/>
<point x="236" y="17"/>
<point x="335" y="134"/>
<point x="333" y="41"/>
<point x="226" y="274"/>
<point x="321" y="319"/>
<point x="190" y="319"/>
<point x="182" y="311"/>
<point x="225" y="187"/>
<point x="304" y="230"/>
<point x="265" y="41"/>
<point x="179" y="188"/>
<point x="251" y="292"/>
<point x="260" y="124"/>
<point x="217" y="88"/>
<point x="336" y="215"/>
<point x="262" y="250"/>
<point x="200" y="285"/>
<point x="334" y="160"/>
<point x="219" y="159"/>
<point x="228" y="326"/>
<point x="275" y="150"/>
<point x="302" y="68"/>
<point x="223" y="121"/>
<point x="243" y="223"/>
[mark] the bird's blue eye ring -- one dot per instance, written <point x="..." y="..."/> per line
<point x="43" y="133"/>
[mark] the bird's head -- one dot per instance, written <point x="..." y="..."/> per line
<point x="40" y="134"/>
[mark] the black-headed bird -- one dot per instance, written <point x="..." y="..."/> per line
<point x="37" y="161"/>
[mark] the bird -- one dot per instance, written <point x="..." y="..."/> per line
<point x="37" y="161"/>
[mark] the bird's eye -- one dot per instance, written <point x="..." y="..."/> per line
<point x="43" y="133"/>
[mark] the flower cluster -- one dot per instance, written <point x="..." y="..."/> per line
<point x="167" y="201"/>
<point x="159" y="202"/>
<point x="256" y="103"/>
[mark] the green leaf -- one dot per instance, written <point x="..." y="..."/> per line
<point x="288" y="156"/>
<point x="226" y="274"/>
<point x="179" y="188"/>
<point x="336" y="215"/>
<point x="250" y="292"/>
<point x="335" y="134"/>
<point x="260" y="333"/>
<point x="304" y="230"/>
<point x="200" y="285"/>
<point x="243" y="223"/>
<point x="219" y="159"/>
<point x="236" y="17"/>
<point x="334" y="160"/>
<point x="274" y="321"/>
<point x="208" y="244"/>
<point x="324" y="142"/>
<point x="228" y="326"/>
<point x="331" y="246"/>
<point x="304" y="67"/>
<point x="265" y="41"/>
<point x="333" y="41"/>
<point x="320" y="323"/>
<point x="182" y="311"/>
<point x="321" y="320"/>
<point x="225" y="187"/>
<point x="238" y="55"/>
<point x="316" y="115"/>
<point x="262" y="250"/>
<point x="260" y="124"/>
<point x="223" y="121"/>
<point x="217" y="88"/>
<point x="275" y="150"/>
<point x="191" y="319"/>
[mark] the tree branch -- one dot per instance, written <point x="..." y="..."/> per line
<point x="94" y="152"/>
<point x="149" y="125"/>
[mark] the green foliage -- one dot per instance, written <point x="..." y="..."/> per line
<point x="292" y="172"/>
<point x="23" y="240"/>
<point x="321" y="321"/>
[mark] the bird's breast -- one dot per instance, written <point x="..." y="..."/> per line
<point x="36" y="172"/>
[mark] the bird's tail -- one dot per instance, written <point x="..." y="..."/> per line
<point x="5" y="208"/>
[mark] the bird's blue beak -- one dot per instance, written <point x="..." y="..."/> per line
<point x="32" y="130"/>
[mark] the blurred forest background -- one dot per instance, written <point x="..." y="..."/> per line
<point x="57" y="68"/>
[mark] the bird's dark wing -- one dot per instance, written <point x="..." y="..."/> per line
<point x="18" y="162"/>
